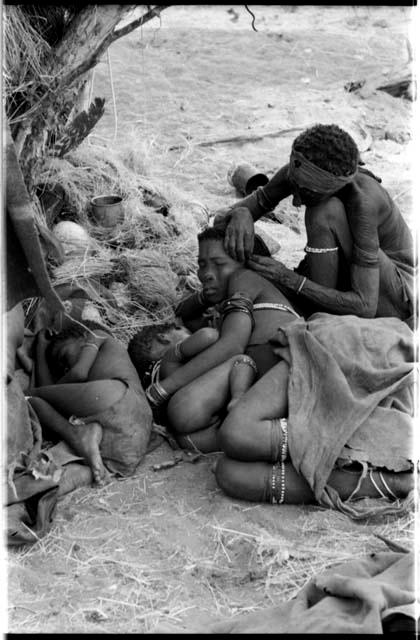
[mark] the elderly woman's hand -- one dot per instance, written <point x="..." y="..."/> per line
<point x="238" y="225"/>
<point x="271" y="269"/>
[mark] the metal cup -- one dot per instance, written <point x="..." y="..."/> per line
<point x="246" y="178"/>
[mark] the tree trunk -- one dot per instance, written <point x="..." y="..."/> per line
<point x="85" y="40"/>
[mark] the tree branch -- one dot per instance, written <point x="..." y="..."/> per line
<point x="106" y="19"/>
<point x="154" y="12"/>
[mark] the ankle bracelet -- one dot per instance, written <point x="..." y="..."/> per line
<point x="278" y="483"/>
<point x="244" y="359"/>
<point x="283" y="425"/>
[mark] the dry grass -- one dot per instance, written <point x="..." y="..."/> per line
<point x="146" y="263"/>
<point x="23" y="51"/>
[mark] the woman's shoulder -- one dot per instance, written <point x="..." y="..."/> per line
<point x="245" y="281"/>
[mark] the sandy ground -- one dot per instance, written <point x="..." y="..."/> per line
<point x="167" y="546"/>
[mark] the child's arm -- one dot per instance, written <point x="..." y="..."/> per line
<point x="178" y="354"/>
<point x="234" y="336"/>
<point x="235" y="333"/>
<point x="88" y="354"/>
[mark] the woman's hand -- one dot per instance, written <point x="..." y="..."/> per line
<point x="238" y="226"/>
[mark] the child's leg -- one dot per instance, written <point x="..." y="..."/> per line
<point x="84" y="439"/>
<point x="252" y="431"/>
<point x="204" y="441"/>
<point x="81" y="398"/>
<point x="253" y="481"/>
<point x="176" y="355"/>
<point x="195" y="406"/>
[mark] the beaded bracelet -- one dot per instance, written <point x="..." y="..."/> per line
<point x="278" y="477"/>
<point x="299" y="289"/>
<point x="283" y="425"/>
<point x="246" y="360"/>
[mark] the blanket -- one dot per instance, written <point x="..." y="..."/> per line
<point x="366" y="595"/>
<point x="351" y="395"/>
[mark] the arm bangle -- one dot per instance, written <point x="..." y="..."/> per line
<point x="156" y="394"/>
<point x="177" y="351"/>
<point x="91" y="344"/>
<point x="299" y="289"/>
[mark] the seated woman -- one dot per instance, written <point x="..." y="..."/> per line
<point x="332" y="421"/>
<point x="90" y="395"/>
<point x="251" y="309"/>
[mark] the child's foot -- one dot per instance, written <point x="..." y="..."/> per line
<point x="87" y="438"/>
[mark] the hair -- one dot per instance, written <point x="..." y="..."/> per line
<point x="329" y="148"/>
<point x="139" y="346"/>
<point x="211" y="233"/>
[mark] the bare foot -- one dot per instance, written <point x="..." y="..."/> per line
<point x="85" y="439"/>
<point x="74" y="475"/>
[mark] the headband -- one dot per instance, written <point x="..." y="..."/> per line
<point x="308" y="176"/>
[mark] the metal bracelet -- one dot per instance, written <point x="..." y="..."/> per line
<point x="156" y="394"/>
<point x="91" y="344"/>
<point x="299" y="289"/>
<point x="177" y="351"/>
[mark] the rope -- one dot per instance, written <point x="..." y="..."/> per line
<point x="253" y="17"/>
<point x="114" y="103"/>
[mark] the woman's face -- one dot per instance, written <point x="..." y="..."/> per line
<point x="215" y="267"/>
<point x="304" y="196"/>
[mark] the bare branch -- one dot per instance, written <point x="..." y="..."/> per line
<point x="154" y="12"/>
<point x="100" y="33"/>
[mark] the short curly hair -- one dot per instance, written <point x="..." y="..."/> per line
<point x="212" y="233"/>
<point x="330" y="148"/>
<point x="139" y="346"/>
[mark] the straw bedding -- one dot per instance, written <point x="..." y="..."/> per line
<point x="138" y="270"/>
